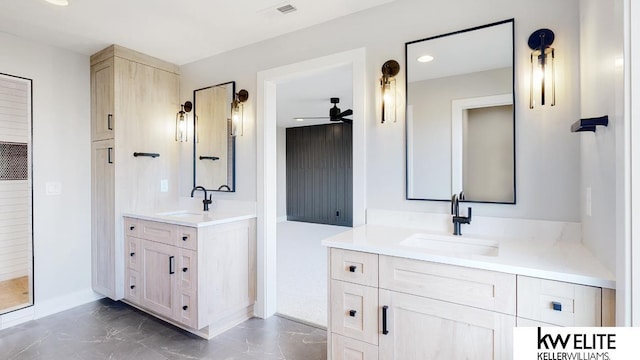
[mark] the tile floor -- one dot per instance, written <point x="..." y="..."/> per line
<point x="113" y="330"/>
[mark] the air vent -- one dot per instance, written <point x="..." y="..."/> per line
<point x="285" y="9"/>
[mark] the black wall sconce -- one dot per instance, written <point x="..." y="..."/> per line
<point x="542" y="67"/>
<point x="390" y="69"/>
<point x="181" y="121"/>
<point x="237" y="112"/>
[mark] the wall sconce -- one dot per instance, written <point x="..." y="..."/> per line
<point x="542" y="66"/>
<point x="181" y="121"/>
<point x="390" y="69"/>
<point x="237" y="114"/>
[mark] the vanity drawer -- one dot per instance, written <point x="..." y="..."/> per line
<point x="188" y="237"/>
<point x="132" y="286"/>
<point x="344" y="348"/>
<point x="354" y="311"/>
<point x="461" y="285"/>
<point x="559" y="303"/>
<point x="132" y="255"/>
<point x="158" y="232"/>
<point x="188" y="309"/>
<point x="130" y="227"/>
<point x="354" y="266"/>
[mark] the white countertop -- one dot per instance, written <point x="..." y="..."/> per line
<point x="554" y="260"/>
<point x="194" y="218"/>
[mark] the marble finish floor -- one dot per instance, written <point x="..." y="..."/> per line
<point x="113" y="330"/>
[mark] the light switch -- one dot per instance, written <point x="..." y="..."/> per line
<point x="53" y="188"/>
<point x="164" y="185"/>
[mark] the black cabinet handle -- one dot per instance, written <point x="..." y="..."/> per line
<point x="185" y="238"/>
<point x="152" y="155"/>
<point x="384" y="320"/>
<point x="185" y="307"/>
<point x="171" y="263"/>
<point x="185" y="269"/>
<point x="352" y="313"/>
<point x="109" y="160"/>
<point x="133" y="287"/>
<point x="131" y="254"/>
<point x="132" y="228"/>
<point x="109" y="117"/>
<point x="556" y="306"/>
<point x="352" y="268"/>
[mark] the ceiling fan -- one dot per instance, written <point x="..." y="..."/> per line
<point x="335" y="114"/>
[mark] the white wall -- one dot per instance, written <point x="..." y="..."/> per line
<point x="548" y="166"/>
<point x="601" y="91"/>
<point x="61" y="153"/>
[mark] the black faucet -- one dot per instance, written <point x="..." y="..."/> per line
<point x="206" y="201"/>
<point x="455" y="212"/>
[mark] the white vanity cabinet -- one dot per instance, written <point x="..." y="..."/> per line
<point x="420" y="310"/>
<point x="201" y="279"/>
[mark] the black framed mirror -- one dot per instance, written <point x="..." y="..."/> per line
<point x="213" y="143"/>
<point x="460" y="115"/>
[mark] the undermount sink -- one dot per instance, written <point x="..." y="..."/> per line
<point x="182" y="213"/>
<point x="450" y="245"/>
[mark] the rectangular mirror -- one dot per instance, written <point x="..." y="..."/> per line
<point x="460" y="120"/>
<point x="213" y="145"/>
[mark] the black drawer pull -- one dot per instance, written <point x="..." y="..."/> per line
<point x="109" y="117"/>
<point x="556" y="306"/>
<point x="131" y="254"/>
<point x="352" y="268"/>
<point x="132" y="287"/>
<point x="185" y="269"/>
<point x="171" y="265"/>
<point x="185" y="238"/>
<point x="185" y="307"/>
<point x="384" y="320"/>
<point x="352" y="313"/>
<point x="132" y="228"/>
<point x="109" y="159"/>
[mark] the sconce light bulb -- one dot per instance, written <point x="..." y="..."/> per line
<point x="425" y="58"/>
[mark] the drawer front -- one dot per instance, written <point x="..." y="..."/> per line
<point x="354" y="266"/>
<point x="461" y="285"/>
<point x="187" y="313"/>
<point x="344" y="348"/>
<point x="132" y="286"/>
<point x="187" y="271"/>
<point x="131" y="227"/>
<point x="188" y="237"/>
<point x="158" y="232"/>
<point x="354" y="311"/>
<point x="559" y="303"/>
<point x="132" y="254"/>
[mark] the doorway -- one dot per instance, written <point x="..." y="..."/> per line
<point x="266" y="121"/>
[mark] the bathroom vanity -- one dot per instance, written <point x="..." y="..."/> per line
<point x="196" y="270"/>
<point x="397" y="293"/>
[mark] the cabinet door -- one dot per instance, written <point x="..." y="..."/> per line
<point x="102" y="119"/>
<point x="103" y="247"/>
<point x="421" y="329"/>
<point x="158" y="268"/>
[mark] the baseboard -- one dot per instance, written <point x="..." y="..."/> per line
<point x="47" y="307"/>
<point x="66" y="302"/>
<point x="304" y="322"/>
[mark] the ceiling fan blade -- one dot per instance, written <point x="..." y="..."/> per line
<point x="346" y="113"/>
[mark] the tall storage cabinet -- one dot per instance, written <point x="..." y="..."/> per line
<point x="134" y="99"/>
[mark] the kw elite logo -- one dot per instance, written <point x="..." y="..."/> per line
<point x="575" y="346"/>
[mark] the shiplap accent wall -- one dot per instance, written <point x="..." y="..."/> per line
<point x="15" y="195"/>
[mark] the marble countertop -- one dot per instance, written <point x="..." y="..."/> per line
<point x="554" y="260"/>
<point x="194" y="218"/>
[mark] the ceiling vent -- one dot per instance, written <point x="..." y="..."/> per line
<point x="285" y="9"/>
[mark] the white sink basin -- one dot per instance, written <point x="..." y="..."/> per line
<point x="182" y="213"/>
<point x="451" y="245"/>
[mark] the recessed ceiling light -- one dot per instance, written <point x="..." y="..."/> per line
<point x="425" y="58"/>
<point x="299" y="119"/>
<point x="58" y="2"/>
